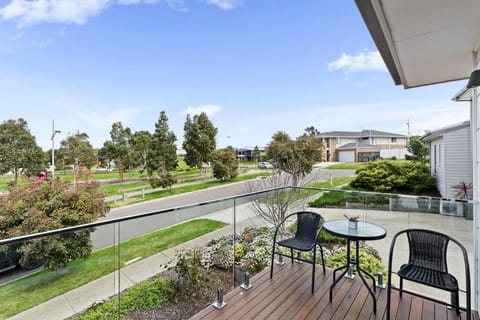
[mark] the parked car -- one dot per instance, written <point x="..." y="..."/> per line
<point x="11" y="259"/>
<point x="265" y="165"/>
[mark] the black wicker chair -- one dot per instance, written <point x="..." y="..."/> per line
<point x="427" y="265"/>
<point x="305" y="239"/>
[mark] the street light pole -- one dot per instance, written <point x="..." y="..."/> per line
<point x="53" y="147"/>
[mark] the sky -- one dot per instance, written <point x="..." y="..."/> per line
<point x="255" y="67"/>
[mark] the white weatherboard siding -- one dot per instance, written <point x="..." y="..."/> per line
<point x="437" y="167"/>
<point x="458" y="159"/>
<point x="474" y="124"/>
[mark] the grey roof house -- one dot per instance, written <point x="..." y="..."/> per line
<point x="366" y="145"/>
<point x="450" y="156"/>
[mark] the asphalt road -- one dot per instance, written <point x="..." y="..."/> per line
<point x="106" y="236"/>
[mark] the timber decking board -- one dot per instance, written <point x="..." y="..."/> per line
<point x="288" y="296"/>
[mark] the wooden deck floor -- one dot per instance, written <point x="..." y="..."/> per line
<point x="288" y="296"/>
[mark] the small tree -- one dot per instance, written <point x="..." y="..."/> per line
<point x="256" y="154"/>
<point x="274" y="206"/>
<point x="294" y="160"/>
<point x="418" y="149"/>
<point x="224" y="164"/>
<point x="119" y="148"/>
<point x="162" y="153"/>
<point x="39" y="207"/>
<point x="295" y="157"/>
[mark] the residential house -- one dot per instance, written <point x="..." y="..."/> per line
<point x="450" y="156"/>
<point x="246" y="154"/>
<point x="366" y="145"/>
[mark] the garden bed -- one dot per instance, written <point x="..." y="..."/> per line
<point x="191" y="300"/>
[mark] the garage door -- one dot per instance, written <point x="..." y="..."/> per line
<point x="346" y="156"/>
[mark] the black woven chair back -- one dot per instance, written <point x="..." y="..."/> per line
<point x="428" y="249"/>
<point x="307" y="224"/>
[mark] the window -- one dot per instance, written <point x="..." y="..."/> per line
<point x="393" y="139"/>
<point x="435" y="159"/>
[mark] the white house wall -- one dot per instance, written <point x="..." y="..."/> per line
<point x="437" y="164"/>
<point x="475" y="126"/>
<point x="390" y="153"/>
<point x="458" y="159"/>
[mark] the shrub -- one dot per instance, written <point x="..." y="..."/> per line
<point x="369" y="260"/>
<point x="165" y="180"/>
<point x="395" y="177"/>
<point x="224" y="164"/>
<point x="252" y="250"/>
<point x="139" y="297"/>
<point x="38" y="207"/>
<point x="187" y="268"/>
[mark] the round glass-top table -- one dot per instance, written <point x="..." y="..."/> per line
<point x="363" y="231"/>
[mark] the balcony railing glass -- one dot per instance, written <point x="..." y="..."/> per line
<point x="131" y="249"/>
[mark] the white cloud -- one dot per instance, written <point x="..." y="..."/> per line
<point x="26" y="13"/>
<point x="178" y="5"/>
<point x="129" y="2"/>
<point x="225" y="4"/>
<point x="364" y="61"/>
<point x="209" y="109"/>
<point x="31" y="12"/>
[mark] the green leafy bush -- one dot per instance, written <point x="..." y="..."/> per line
<point x="369" y="260"/>
<point x="396" y="177"/>
<point x="187" y="268"/>
<point x="38" y="207"/>
<point x="165" y="180"/>
<point x="224" y="164"/>
<point x="142" y="296"/>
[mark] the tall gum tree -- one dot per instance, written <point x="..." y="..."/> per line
<point x="199" y="140"/>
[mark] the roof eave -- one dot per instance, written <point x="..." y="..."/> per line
<point x="374" y="26"/>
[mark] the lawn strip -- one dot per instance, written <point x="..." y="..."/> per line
<point x="28" y="292"/>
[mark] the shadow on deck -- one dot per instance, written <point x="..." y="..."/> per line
<point x="288" y="296"/>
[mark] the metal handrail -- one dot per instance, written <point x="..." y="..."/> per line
<point x="131" y="217"/>
<point x="183" y="207"/>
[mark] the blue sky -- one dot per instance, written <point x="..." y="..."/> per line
<point x="255" y="66"/>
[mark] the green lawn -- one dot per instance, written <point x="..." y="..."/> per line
<point x="194" y="187"/>
<point x="110" y="190"/>
<point x="28" y="292"/>
<point x="338" y="181"/>
<point x="350" y="166"/>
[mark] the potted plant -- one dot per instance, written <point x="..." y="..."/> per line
<point x="352" y="221"/>
<point x="463" y="191"/>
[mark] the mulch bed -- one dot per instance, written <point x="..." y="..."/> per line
<point x="191" y="299"/>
